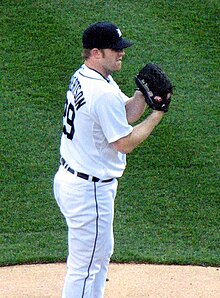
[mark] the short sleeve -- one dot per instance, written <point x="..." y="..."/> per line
<point x="111" y="114"/>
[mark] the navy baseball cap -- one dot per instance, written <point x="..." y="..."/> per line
<point x="104" y="35"/>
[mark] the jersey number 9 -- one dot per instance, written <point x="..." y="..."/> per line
<point x="68" y="120"/>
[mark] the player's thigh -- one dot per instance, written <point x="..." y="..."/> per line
<point x="105" y="197"/>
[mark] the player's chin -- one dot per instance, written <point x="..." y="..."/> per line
<point x="118" y="65"/>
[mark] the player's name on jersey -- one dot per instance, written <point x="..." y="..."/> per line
<point x="76" y="90"/>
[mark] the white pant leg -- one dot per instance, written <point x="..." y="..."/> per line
<point x="89" y="209"/>
<point x="106" y="243"/>
<point x="100" y="280"/>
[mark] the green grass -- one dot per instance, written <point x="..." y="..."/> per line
<point x="167" y="207"/>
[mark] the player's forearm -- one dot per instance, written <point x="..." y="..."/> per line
<point x="139" y="134"/>
<point x="143" y="130"/>
<point x="135" y="107"/>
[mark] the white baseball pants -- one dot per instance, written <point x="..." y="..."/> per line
<point x="88" y="208"/>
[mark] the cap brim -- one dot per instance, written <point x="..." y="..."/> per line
<point x="122" y="44"/>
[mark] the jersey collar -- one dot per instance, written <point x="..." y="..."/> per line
<point x="90" y="72"/>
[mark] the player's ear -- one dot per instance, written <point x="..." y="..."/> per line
<point x="97" y="53"/>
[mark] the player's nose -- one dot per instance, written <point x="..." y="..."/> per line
<point x="122" y="53"/>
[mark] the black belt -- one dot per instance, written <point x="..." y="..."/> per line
<point x="82" y="175"/>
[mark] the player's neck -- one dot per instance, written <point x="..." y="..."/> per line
<point x="98" y="70"/>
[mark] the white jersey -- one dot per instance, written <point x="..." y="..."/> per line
<point x="94" y="117"/>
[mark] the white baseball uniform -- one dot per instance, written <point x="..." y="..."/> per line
<point x="85" y="185"/>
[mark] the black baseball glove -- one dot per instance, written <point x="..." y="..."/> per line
<point x="155" y="86"/>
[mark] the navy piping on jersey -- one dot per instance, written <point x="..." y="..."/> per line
<point x="95" y="242"/>
<point x="106" y="79"/>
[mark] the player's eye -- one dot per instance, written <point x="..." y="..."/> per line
<point x="118" y="50"/>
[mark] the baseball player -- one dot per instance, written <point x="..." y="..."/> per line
<point x="97" y="135"/>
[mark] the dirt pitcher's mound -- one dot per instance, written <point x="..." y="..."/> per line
<point x="131" y="281"/>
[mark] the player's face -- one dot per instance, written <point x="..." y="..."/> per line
<point x="111" y="60"/>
